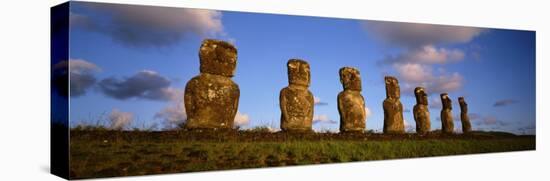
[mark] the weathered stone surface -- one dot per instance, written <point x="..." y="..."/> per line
<point x="447" y="124"/>
<point x="212" y="98"/>
<point x="296" y="100"/>
<point x="464" y="118"/>
<point x="393" y="109"/>
<point x="218" y="58"/>
<point x="421" y="112"/>
<point x="351" y="104"/>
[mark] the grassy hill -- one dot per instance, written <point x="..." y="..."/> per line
<point x="104" y="153"/>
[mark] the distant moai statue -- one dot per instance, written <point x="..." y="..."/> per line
<point x="296" y="100"/>
<point x="393" y="109"/>
<point x="351" y="104"/>
<point x="212" y="98"/>
<point x="421" y="112"/>
<point x="464" y="118"/>
<point x="447" y="124"/>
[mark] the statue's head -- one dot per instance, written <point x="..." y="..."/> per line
<point x="218" y="57"/>
<point x="421" y="96"/>
<point x="350" y="78"/>
<point x="461" y="101"/>
<point x="392" y="87"/>
<point x="298" y="72"/>
<point x="445" y="100"/>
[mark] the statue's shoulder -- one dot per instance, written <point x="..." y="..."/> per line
<point x="284" y="89"/>
<point x="194" y="81"/>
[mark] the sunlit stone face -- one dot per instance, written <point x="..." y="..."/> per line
<point x="392" y="87"/>
<point x="298" y="72"/>
<point x="350" y="78"/>
<point x="446" y="101"/>
<point x="218" y="58"/>
<point x="421" y="96"/>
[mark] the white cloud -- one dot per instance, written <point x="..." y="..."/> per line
<point x="140" y="26"/>
<point x="322" y="118"/>
<point x="414" y="75"/>
<point x="427" y="54"/>
<point x="81" y="66"/>
<point x="368" y="113"/>
<point x="413" y="35"/>
<point x="173" y="115"/>
<point x="119" y="120"/>
<point x="414" y="65"/>
<point x="241" y="119"/>
<point x="317" y="101"/>
<point x="408" y="127"/>
<point x="81" y="75"/>
<point x="413" y="72"/>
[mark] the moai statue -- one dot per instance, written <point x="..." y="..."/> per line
<point x="420" y="111"/>
<point x="464" y="118"/>
<point x="212" y="98"/>
<point x="447" y="124"/>
<point x="351" y="104"/>
<point x="296" y="100"/>
<point x="393" y="109"/>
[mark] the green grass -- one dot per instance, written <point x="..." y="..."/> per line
<point x="109" y="153"/>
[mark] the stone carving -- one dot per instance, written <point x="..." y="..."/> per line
<point x="464" y="118"/>
<point x="447" y="124"/>
<point x="420" y="111"/>
<point x="212" y="98"/>
<point x="296" y="101"/>
<point x="351" y="104"/>
<point x="393" y="109"/>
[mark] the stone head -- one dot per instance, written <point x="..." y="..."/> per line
<point x="392" y="87"/>
<point x="421" y="96"/>
<point x="218" y="58"/>
<point x="298" y="72"/>
<point x="446" y="101"/>
<point x="350" y="78"/>
<point x="462" y="102"/>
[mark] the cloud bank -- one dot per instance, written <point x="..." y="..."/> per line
<point x="120" y="120"/>
<point x="173" y="115"/>
<point x="145" y="84"/>
<point x="323" y="118"/>
<point x="241" y="119"/>
<point x="317" y="101"/>
<point x="414" y="35"/>
<point x="147" y="26"/>
<point x="422" y="48"/>
<point x="505" y="102"/>
<point x="81" y="76"/>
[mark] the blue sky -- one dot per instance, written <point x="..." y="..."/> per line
<point x="129" y="65"/>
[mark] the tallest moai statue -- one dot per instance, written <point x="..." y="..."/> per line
<point x="393" y="109"/>
<point x="212" y="98"/>
<point x="296" y="100"/>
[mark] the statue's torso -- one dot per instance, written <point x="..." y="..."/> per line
<point x="211" y="101"/>
<point x="299" y="109"/>
<point x="447" y="120"/>
<point x="393" y="116"/>
<point x="351" y="106"/>
<point x="422" y="118"/>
